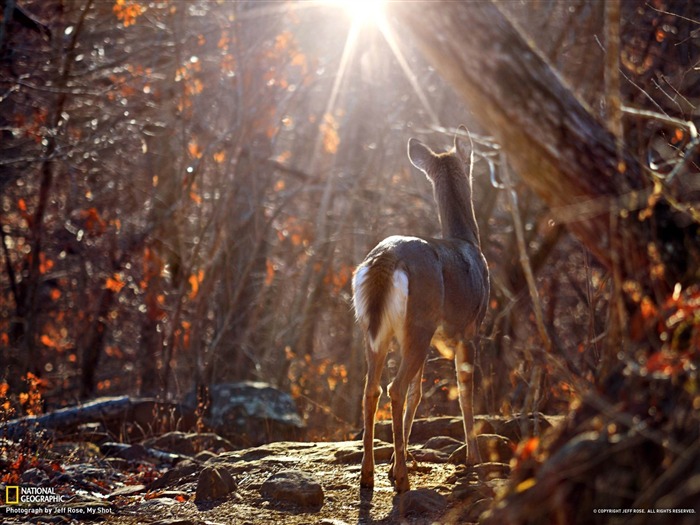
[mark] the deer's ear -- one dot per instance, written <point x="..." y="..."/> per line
<point x="420" y="155"/>
<point x="465" y="149"/>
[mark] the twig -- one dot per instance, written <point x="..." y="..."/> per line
<point x="612" y="74"/>
<point x="686" y="124"/>
<point x="534" y="392"/>
<point x="524" y="259"/>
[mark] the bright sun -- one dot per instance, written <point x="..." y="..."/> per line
<point x="362" y="12"/>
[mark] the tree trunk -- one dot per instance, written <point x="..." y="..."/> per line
<point x="553" y="141"/>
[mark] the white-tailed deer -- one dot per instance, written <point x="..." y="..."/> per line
<point x="414" y="289"/>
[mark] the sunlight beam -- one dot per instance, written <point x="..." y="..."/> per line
<point x="390" y="38"/>
<point x="361" y="12"/>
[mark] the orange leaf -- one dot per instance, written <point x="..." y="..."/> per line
<point x="196" y="198"/>
<point x="194" y="150"/>
<point x="47" y="341"/>
<point x="127" y="11"/>
<point x="527" y="448"/>
<point x="648" y="309"/>
<point x="93" y="222"/>
<point x="45" y="264"/>
<point x="194" y="284"/>
<point x="678" y="135"/>
<point x="269" y="273"/>
<point x="195" y="280"/>
<point x="329" y="130"/>
<point x="114" y="283"/>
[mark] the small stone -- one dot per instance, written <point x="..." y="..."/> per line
<point x="213" y="484"/>
<point x="181" y="473"/>
<point x="177" y="521"/>
<point x="478" y="508"/>
<point x="444" y="444"/>
<point x="34" y="476"/>
<point x="293" y="486"/>
<point x="492" y="447"/>
<point x="495" y="448"/>
<point x="469" y="492"/>
<point x="127" y="490"/>
<point x="421" y="502"/>
<point x="135" y="452"/>
<point x="429" y="456"/>
<point x="492" y="470"/>
<point x="204" y="455"/>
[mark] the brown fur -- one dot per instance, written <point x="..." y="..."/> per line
<point x="376" y="287"/>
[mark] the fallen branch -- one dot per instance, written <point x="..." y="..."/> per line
<point x="114" y="412"/>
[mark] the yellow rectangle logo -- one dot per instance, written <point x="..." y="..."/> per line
<point x="12" y="495"/>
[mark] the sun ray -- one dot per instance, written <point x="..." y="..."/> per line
<point x="372" y="12"/>
<point x="390" y="38"/>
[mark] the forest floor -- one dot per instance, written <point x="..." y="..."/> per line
<point x="168" y="481"/>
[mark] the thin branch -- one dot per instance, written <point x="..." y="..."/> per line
<point x="612" y="74"/>
<point x="686" y="124"/>
<point x="524" y="259"/>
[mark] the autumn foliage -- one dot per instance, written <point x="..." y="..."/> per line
<point x="186" y="188"/>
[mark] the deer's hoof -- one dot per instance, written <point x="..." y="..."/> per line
<point x="472" y="461"/>
<point x="402" y="485"/>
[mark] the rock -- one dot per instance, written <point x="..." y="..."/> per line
<point x="127" y="490"/>
<point x="34" y="476"/>
<point x="495" y="448"/>
<point x="178" y="521"/>
<point x="157" y="506"/>
<point x="478" y="508"/>
<point x="492" y="447"/>
<point x="124" y="451"/>
<point x="204" y="456"/>
<point x="512" y="428"/>
<point x="492" y="470"/>
<point x="382" y="452"/>
<point x="293" y="486"/>
<point x="250" y="413"/>
<point x="43" y="520"/>
<point x="444" y="444"/>
<point x="429" y="456"/>
<point x="189" y="443"/>
<point x="183" y="472"/>
<point x="468" y="492"/>
<point x="421" y="502"/>
<point x="214" y="483"/>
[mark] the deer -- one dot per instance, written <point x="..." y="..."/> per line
<point x="416" y="290"/>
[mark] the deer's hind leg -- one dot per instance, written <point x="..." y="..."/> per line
<point x="465" y="356"/>
<point x="415" y="393"/>
<point x="414" y="349"/>
<point x="376" y="356"/>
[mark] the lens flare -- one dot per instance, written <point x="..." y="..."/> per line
<point x="362" y="12"/>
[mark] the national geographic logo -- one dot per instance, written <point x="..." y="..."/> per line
<point x="12" y="495"/>
<point x="15" y="495"/>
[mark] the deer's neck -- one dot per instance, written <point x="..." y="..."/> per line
<point x="453" y="194"/>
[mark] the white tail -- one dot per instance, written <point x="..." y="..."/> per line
<point x="413" y="289"/>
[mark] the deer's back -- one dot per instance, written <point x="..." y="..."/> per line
<point x="450" y="275"/>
